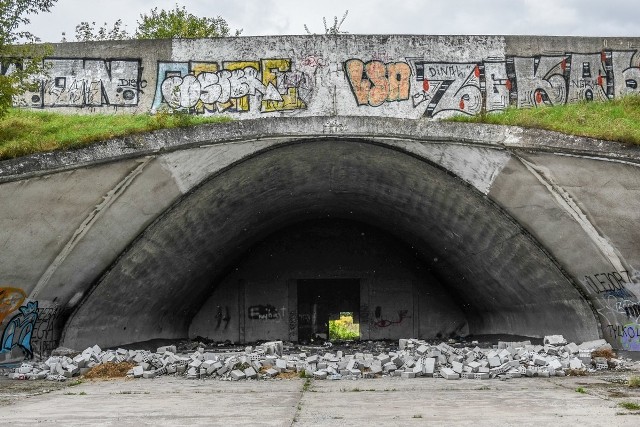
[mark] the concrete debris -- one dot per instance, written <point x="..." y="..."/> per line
<point x="412" y="358"/>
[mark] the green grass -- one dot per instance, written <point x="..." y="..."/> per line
<point x="630" y="406"/>
<point x="24" y="132"/>
<point x="581" y="390"/>
<point x="616" y="120"/>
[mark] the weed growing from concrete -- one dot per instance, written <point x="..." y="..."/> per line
<point x="307" y="385"/>
<point x="632" y="406"/>
<point x="634" y="381"/>
<point x="581" y="390"/>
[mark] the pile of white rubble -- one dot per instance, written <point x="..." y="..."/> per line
<point x="413" y="358"/>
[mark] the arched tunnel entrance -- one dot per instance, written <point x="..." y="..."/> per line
<point x="443" y="254"/>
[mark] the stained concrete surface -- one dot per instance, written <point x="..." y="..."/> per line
<point x="384" y="401"/>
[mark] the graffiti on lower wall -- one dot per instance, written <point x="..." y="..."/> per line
<point x="45" y="334"/>
<point x="19" y="331"/>
<point x="611" y="283"/>
<point x="10" y="300"/>
<point x="266" y="312"/>
<point x="84" y="82"/>
<point x="265" y="85"/>
<point x="628" y="334"/>
<point x="381" y="322"/>
<point x="492" y="84"/>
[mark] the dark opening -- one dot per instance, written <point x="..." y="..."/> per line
<point x="321" y="300"/>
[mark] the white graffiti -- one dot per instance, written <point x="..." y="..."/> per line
<point x="185" y="92"/>
<point x="204" y="87"/>
<point x="81" y="82"/>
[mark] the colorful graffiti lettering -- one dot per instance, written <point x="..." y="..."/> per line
<point x="200" y="87"/>
<point x="19" y="330"/>
<point x="374" y="83"/>
<point x="628" y="334"/>
<point x="84" y="82"/>
<point x="10" y="300"/>
<point x="493" y="85"/>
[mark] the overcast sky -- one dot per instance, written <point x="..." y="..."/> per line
<point x="270" y="17"/>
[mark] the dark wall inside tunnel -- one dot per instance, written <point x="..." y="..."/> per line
<point x="398" y="296"/>
<point x="494" y="271"/>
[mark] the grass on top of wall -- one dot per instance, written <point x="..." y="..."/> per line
<point x="615" y="120"/>
<point x="24" y="132"/>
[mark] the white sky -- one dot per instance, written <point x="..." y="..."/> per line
<point x="271" y="17"/>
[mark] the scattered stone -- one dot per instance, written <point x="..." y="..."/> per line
<point x="411" y="358"/>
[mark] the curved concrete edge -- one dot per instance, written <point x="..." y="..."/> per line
<point x="167" y="140"/>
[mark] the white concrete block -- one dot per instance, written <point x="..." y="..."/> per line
<point x="237" y="374"/>
<point x="250" y="373"/>
<point x="449" y="374"/>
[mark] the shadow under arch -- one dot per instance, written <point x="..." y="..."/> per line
<point x="504" y="280"/>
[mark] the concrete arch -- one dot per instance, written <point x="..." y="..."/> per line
<point x="503" y="279"/>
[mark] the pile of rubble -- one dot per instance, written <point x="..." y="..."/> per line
<point x="412" y="358"/>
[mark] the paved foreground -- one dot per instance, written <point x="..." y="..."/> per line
<point x="383" y="401"/>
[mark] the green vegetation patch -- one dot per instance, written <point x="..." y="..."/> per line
<point x="630" y="406"/>
<point x="24" y="132"/>
<point x="344" y="328"/>
<point x="616" y="120"/>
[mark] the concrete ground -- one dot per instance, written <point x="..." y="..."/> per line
<point x="384" y="401"/>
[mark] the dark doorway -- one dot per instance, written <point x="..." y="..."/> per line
<point x="321" y="300"/>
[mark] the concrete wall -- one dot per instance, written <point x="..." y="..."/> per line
<point x="384" y="75"/>
<point x="528" y="232"/>
<point x="410" y="301"/>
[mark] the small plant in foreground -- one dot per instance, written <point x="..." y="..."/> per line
<point x="634" y="381"/>
<point x="581" y="390"/>
<point x="632" y="406"/>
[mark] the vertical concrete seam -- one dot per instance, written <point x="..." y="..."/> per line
<point x="108" y="200"/>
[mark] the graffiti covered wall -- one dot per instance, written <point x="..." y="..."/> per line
<point x="396" y="76"/>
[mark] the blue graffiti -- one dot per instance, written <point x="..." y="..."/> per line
<point x="20" y="328"/>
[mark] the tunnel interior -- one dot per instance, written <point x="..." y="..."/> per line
<point x="442" y="257"/>
<point x="323" y="300"/>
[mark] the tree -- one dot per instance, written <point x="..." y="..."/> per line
<point x="180" y="24"/>
<point x="87" y="32"/>
<point x="177" y="23"/>
<point x="20" y="58"/>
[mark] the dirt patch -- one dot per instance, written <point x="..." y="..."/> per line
<point x="288" y="375"/>
<point x="603" y="352"/>
<point x="12" y="391"/>
<point x="109" y="370"/>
